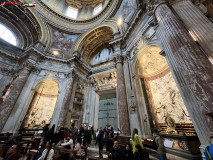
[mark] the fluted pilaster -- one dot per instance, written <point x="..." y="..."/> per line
<point x="191" y="67"/>
<point x="197" y="23"/>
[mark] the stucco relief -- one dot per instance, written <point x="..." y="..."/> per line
<point x="151" y="62"/>
<point x="167" y="101"/>
<point x="105" y="81"/>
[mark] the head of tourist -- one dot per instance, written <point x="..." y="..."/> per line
<point x="115" y="144"/>
<point x="135" y="131"/>
<point x="127" y="146"/>
<point x="49" y="145"/>
<point x="12" y="150"/>
<point x="211" y="136"/>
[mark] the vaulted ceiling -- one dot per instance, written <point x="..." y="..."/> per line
<point x="94" y="40"/>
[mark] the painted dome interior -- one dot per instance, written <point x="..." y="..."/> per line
<point x="77" y="10"/>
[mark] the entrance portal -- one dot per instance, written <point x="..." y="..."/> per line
<point x="108" y="111"/>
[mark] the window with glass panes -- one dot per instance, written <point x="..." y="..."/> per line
<point x="71" y="12"/>
<point x="97" y="9"/>
<point x="7" y="35"/>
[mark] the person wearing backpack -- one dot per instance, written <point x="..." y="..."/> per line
<point x="209" y="149"/>
<point x="160" y="145"/>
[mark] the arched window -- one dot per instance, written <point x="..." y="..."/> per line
<point x="71" y="12"/>
<point x="97" y="9"/>
<point x="7" y="35"/>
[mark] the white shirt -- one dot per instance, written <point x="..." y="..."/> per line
<point x="50" y="155"/>
<point x="70" y="142"/>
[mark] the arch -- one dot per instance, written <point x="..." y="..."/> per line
<point x="110" y="24"/>
<point x="43" y="104"/>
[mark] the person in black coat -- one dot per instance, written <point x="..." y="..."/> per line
<point x="101" y="142"/>
<point x="128" y="154"/>
<point x="109" y="142"/>
<point x="115" y="152"/>
<point x="139" y="153"/>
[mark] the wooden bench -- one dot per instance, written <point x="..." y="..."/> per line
<point x="83" y="157"/>
<point x="58" y="150"/>
<point x="102" y="152"/>
<point x="2" y="149"/>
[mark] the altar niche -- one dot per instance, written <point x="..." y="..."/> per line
<point x="108" y="114"/>
<point x="42" y="105"/>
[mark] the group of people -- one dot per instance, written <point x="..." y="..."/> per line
<point x="135" y="151"/>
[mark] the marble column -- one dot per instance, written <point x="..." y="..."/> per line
<point x="122" y="99"/>
<point x="197" y="23"/>
<point x="7" y="106"/>
<point x="66" y="100"/>
<point x="190" y="66"/>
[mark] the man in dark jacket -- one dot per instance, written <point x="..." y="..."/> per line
<point x="115" y="152"/>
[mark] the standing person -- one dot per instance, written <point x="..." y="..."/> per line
<point x="51" y="134"/>
<point x="109" y="142"/>
<point x="160" y="145"/>
<point x="47" y="154"/>
<point x="136" y="139"/>
<point x="209" y="150"/>
<point x="96" y="134"/>
<point x="115" y="152"/>
<point x="139" y="153"/>
<point x="101" y="142"/>
<point x="128" y="154"/>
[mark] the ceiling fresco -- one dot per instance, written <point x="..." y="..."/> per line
<point x="95" y="39"/>
<point x="62" y="42"/>
<point x="126" y="10"/>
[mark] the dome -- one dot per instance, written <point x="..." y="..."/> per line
<point x="73" y="15"/>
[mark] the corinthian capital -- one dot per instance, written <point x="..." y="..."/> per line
<point x="118" y="58"/>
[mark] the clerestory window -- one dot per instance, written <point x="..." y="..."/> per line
<point x="7" y="35"/>
<point x="71" y="12"/>
<point x="97" y="9"/>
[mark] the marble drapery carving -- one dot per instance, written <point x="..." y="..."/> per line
<point x="122" y="99"/>
<point x="67" y="97"/>
<point x="194" y="66"/>
<point x="7" y="106"/>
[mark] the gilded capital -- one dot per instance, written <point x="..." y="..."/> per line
<point x="118" y="58"/>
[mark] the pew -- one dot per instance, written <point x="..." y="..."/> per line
<point x="58" y="150"/>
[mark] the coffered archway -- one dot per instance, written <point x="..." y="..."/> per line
<point x="94" y="40"/>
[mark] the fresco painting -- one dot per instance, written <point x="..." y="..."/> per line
<point x="127" y="9"/>
<point x="62" y="42"/>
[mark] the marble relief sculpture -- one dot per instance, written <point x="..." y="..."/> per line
<point x="167" y="100"/>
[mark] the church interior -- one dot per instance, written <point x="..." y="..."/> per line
<point x="124" y="64"/>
